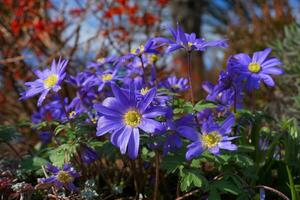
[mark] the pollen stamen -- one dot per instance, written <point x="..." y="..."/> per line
<point x="107" y="77"/>
<point x="211" y="139"/>
<point x="254" y="67"/>
<point x="132" y="118"/>
<point x="51" y="80"/>
<point x="64" y="177"/>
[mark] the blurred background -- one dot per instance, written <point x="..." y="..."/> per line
<point x="33" y="32"/>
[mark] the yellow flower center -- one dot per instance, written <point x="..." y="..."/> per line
<point x="144" y="91"/>
<point x="64" y="177"/>
<point x="72" y="114"/>
<point x="153" y="58"/>
<point x="190" y="44"/>
<point x="51" y="80"/>
<point x="175" y="87"/>
<point x="140" y="48"/>
<point x="101" y="59"/>
<point x="132" y="118"/>
<point x="211" y="139"/>
<point x="254" y="67"/>
<point x="107" y="77"/>
<point x="94" y="120"/>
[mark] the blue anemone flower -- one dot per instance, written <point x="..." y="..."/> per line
<point x="182" y="127"/>
<point x="88" y="155"/>
<point x="189" y="42"/>
<point x="47" y="80"/>
<point x="61" y="177"/>
<point x="175" y="84"/>
<point x="124" y="116"/>
<point x="101" y="61"/>
<point x="258" y="68"/>
<point x="213" y="138"/>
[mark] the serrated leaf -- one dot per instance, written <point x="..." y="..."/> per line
<point x="201" y="105"/>
<point x="191" y="178"/>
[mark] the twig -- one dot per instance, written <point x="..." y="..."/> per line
<point x="188" y="194"/>
<point x="274" y="191"/>
<point x="11" y="60"/>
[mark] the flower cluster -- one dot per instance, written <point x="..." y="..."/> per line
<point x="127" y="100"/>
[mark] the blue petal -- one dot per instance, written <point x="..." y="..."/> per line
<point x="142" y="105"/>
<point x="227" y="124"/>
<point x="134" y="143"/>
<point x="227" y="145"/>
<point x="188" y="132"/>
<point x="260" y="56"/>
<point x="272" y="70"/>
<point x="243" y="58"/>
<point x="119" y="94"/>
<point x="150" y="125"/>
<point x="194" y="150"/>
<point x="42" y="97"/>
<point x="124" y="139"/>
<point x="107" y="111"/>
<point x="268" y="80"/>
<point x="105" y="125"/>
<point x="173" y="47"/>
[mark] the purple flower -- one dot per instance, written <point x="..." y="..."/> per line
<point x="45" y="137"/>
<point x="213" y="138"/>
<point x="257" y="68"/>
<point x="175" y="84"/>
<point x="61" y="177"/>
<point x="52" y="110"/>
<point x="124" y="116"/>
<point x="189" y="42"/>
<point x="182" y="127"/>
<point x="101" y="61"/>
<point x="107" y="77"/>
<point x="149" y="47"/>
<point x="47" y="80"/>
<point x="85" y="94"/>
<point x="88" y="155"/>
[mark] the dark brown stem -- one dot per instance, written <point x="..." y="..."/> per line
<point x="135" y="179"/>
<point x="189" y="54"/>
<point x="155" y="194"/>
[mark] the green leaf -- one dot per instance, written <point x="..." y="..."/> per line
<point x="294" y="193"/>
<point x="191" y="178"/>
<point x="201" y="105"/>
<point x="214" y="195"/>
<point x="172" y="162"/>
<point x="227" y="186"/>
<point x="33" y="164"/>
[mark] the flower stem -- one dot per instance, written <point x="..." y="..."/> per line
<point x="189" y="54"/>
<point x="156" y="175"/>
<point x="144" y="71"/>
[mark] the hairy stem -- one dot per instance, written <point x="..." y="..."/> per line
<point x="189" y="54"/>
<point x="144" y="71"/>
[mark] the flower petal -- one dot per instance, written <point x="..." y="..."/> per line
<point x="134" y="143"/>
<point x="194" y="150"/>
